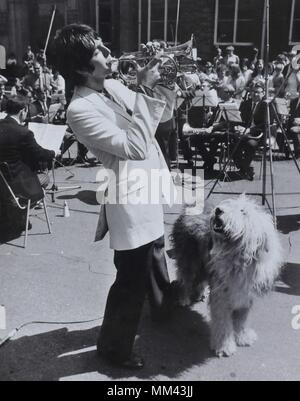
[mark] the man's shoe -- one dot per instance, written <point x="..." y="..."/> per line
<point x="248" y="173"/>
<point x="134" y="362"/>
<point x="208" y="165"/>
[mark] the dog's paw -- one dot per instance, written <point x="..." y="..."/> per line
<point x="227" y="349"/>
<point x="246" y="338"/>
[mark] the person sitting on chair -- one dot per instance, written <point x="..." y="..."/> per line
<point x="294" y="126"/>
<point x="3" y="96"/>
<point x="208" y="146"/>
<point x="38" y="110"/>
<point x="201" y="117"/>
<point x="254" y="115"/>
<point x="224" y="132"/>
<point x="20" y="151"/>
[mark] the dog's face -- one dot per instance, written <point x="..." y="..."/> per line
<point x="238" y="219"/>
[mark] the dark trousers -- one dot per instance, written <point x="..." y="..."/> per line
<point x="162" y="136"/>
<point x="140" y="272"/>
<point x="245" y="151"/>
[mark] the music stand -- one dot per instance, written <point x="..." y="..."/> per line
<point x="205" y="99"/>
<point x="282" y="107"/>
<point x="232" y="115"/>
<point x="50" y="137"/>
<point x="267" y="150"/>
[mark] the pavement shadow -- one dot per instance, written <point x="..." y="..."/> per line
<point x="288" y="224"/>
<point x="169" y="350"/>
<point x="291" y="277"/>
<point x="87" y="197"/>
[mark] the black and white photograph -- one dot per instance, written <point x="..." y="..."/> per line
<point x="149" y="193"/>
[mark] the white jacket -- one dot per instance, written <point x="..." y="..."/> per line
<point x="114" y="136"/>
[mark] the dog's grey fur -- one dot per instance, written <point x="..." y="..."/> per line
<point x="235" y="249"/>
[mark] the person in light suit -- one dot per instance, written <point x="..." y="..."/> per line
<point x="118" y="126"/>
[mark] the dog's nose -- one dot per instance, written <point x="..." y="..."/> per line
<point x="219" y="212"/>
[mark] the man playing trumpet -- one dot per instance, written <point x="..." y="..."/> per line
<point x="118" y="126"/>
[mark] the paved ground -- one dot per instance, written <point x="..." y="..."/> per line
<point x="66" y="277"/>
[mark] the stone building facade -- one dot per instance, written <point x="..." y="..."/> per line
<point x="125" y="23"/>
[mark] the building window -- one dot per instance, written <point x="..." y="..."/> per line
<point x="295" y="23"/>
<point x="238" y="22"/>
<point x="158" y="20"/>
<point x="3" y="17"/>
<point x="71" y="11"/>
<point x="105" y="21"/>
<point x="40" y="24"/>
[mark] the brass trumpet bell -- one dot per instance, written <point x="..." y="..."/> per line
<point x="174" y="61"/>
<point x="129" y="63"/>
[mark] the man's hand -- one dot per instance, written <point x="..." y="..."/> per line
<point x="149" y="75"/>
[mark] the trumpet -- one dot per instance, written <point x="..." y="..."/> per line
<point x="129" y="63"/>
<point x="175" y="61"/>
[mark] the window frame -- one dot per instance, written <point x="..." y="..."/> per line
<point x="164" y="20"/>
<point x="292" y="20"/>
<point x="236" y="19"/>
<point x="99" y="23"/>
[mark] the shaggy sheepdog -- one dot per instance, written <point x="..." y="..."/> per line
<point x="235" y="249"/>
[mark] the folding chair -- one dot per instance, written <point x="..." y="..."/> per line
<point x="20" y="202"/>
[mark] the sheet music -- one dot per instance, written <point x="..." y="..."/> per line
<point x="53" y="110"/>
<point x="282" y="106"/>
<point x="48" y="136"/>
<point x="230" y="112"/>
<point x="206" y="99"/>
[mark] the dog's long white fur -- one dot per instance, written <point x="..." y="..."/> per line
<point x="238" y="263"/>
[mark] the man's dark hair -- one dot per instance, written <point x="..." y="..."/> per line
<point x="74" y="46"/>
<point x="259" y="85"/>
<point x="14" y="104"/>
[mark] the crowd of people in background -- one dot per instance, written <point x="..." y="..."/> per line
<point x="31" y="78"/>
<point x="231" y="78"/>
<point x="242" y="82"/>
<point x="44" y="88"/>
<point x="41" y="86"/>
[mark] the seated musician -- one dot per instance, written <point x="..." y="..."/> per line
<point x="207" y="142"/>
<point x="3" y="96"/>
<point x="221" y="131"/>
<point x="294" y="126"/>
<point x="202" y="117"/>
<point x="254" y="114"/>
<point x="242" y="148"/>
<point x="20" y="151"/>
<point x="38" y="110"/>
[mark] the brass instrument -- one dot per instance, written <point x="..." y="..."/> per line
<point x="296" y="59"/>
<point x="129" y="63"/>
<point x="174" y="62"/>
<point x="187" y="130"/>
